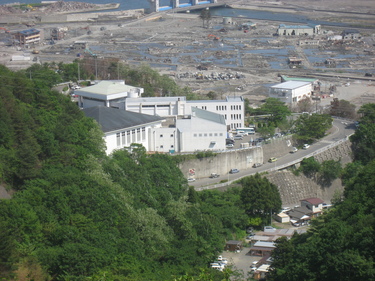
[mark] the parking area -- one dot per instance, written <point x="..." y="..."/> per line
<point x="241" y="261"/>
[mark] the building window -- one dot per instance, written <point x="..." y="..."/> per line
<point x="171" y="135"/>
<point x="143" y="133"/>
<point x="225" y="117"/>
<point x="162" y="146"/>
<point x="195" y="135"/>
<point x="123" y="138"/>
<point x="240" y="107"/>
<point x="217" y="108"/>
<point x="138" y="134"/>
<point x="172" y="146"/>
<point x="128" y="140"/>
<point x="200" y="135"/>
<point x="161" y="136"/>
<point x="205" y="135"/>
<point x="118" y="139"/>
<point x="133" y="136"/>
<point x="221" y="134"/>
<point x="210" y="134"/>
<point x="215" y="134"/>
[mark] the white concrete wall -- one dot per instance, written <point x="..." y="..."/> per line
<point x="199" y="134"/>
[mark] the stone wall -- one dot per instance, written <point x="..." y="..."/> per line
<point x="221" y="163"/>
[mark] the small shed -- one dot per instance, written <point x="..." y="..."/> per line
<point x="261" y="248"/>
<point x="233" y="246"/>
<point x="282" y="217"/>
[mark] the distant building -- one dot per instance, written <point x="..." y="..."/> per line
<point x="28" y="36"/>
<point x="351" y="34"/>
<point x="291" y="92"/>
<point x="290" y="30"/>
<point x="313" y="204"/>
<point x="233" y="246"/>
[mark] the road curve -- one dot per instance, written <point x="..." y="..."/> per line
<point x="342" y="129"/>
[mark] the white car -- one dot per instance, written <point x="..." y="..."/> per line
<point x="306" y="146"/>
<point x="191" y="179"/>
<point x="294" y="150"/>
<point x="230" y="145"/>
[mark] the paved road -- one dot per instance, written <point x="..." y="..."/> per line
<point x="342" y="129"/>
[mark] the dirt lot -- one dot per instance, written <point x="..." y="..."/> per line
<point x="237" y="63"/>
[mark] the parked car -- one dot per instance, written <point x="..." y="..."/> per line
<point x="230" y="145"/>
<point x="234" y="171"/>
<point x="214" y="175"/>
<point x="228" y="141"/>
<point x="238" y="137"/>
<point x="306" y="146"/>
<point x="256" y="165"/>
<point x="191" y="179"/>
<point x="294" y="150"/>
<point x="250" y="236"/>
<point x="272" y="159"/>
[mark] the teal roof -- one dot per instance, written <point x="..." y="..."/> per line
<point x="286" y="78"/>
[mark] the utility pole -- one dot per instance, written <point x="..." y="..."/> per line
<point x="79" y="78"/>
<point x="96" y="67"/>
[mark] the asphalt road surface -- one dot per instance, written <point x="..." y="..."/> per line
<point x="342" y="129"/>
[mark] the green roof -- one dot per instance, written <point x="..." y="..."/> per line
<point x="286" y="78"/>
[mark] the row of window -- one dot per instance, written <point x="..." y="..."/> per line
<point x="162" y="136"/>
<point x="235" y="125"/>
<point x="208" y="135"/>
<point x="235" y="117"/>
<point x="131" y="136"/>
<point x="235" y="107"/>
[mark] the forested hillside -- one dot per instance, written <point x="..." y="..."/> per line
<point x="340" y="244"/>
<point x="77" y="214"/>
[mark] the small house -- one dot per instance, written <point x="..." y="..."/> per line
<point x="233" y="246"/>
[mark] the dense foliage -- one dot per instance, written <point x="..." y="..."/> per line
<point x="260" y="198"/>
<point x="364" y="138"/>
<point x="340" y="244"/>
<point x="79" y="215"/>
<point x="309" y="128"/>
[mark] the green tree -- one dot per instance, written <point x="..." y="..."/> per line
<point x="266" y="131"/>
<point x="364" y="137"/>
<point x="312" y="127"/>
<point x="310" y="167"/>
<point x="329" y="171"/>
<point x="259" y="197"/>
<point x="342" y="108"/>
<point x="276" y="110"/>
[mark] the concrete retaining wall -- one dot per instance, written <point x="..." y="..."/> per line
<point x="223" y="162"/>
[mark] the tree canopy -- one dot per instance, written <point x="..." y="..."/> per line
<point x="312" y="127"/>
<point x="276" y="110"/>
<point x="364" y="137"/>
<point x="259" y="197"/>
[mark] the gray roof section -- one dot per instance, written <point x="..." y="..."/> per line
<point x="207" y="115"/>
<point x="112" y="119"/>
<point x="108" y="88"/>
